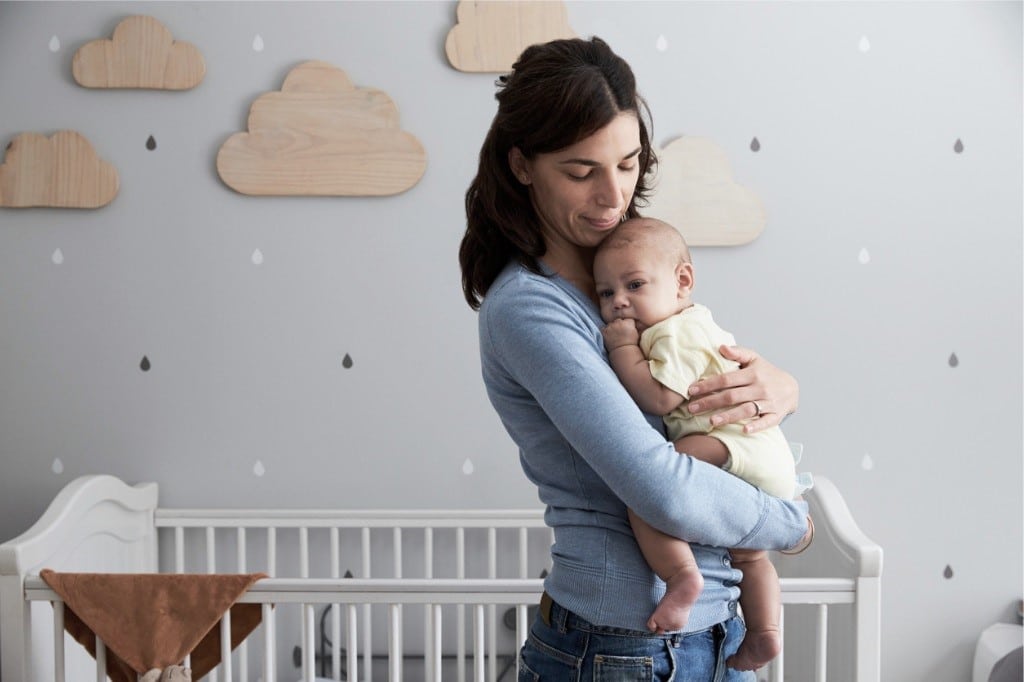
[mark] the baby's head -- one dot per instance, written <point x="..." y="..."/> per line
<point x="642" y="271"/>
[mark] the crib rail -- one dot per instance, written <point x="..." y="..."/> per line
<point x="348" y="593"/>
<point x="459" y="585"/>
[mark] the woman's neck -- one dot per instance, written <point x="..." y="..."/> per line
<point x="574" y="264"/>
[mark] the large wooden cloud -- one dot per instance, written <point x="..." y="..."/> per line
<point x="61" y="171"/>
<point x="489" y="35"/>
<point x="141" y="54"/>
<point x="322" y="136"/>
<point x="695" y="192"/>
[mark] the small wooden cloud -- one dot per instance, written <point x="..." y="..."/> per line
<point x="141" y="54"/>
<point x="490" y="35"/>
<point x="696" y="193"/>
<point x="322" y="136"/>
<point x="60" y="171"/>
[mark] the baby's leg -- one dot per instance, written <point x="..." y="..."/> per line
<point x="672" y="559"/>
<point x="761" y="599"/>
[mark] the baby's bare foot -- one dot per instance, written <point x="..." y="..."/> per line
<point x="681" y="592"/>
<point x="758" y="649"/>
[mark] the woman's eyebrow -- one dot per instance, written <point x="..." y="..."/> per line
<point x="591" y="162"/>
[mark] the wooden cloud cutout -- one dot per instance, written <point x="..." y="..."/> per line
<point x="322" y="136"/>
<point x="60" y="171"/>
<point x="141" y="54"/>
<point x="696" y="193"/>
<point x="490" y="35"/>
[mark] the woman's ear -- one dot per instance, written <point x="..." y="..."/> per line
<point x="517" y="162"/>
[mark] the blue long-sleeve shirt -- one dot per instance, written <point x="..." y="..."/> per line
<point x="592" y="453"/>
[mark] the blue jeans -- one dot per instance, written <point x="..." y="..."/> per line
<point x="562" y="647"/>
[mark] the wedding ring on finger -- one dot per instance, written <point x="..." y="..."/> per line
<point x="757" y="408"/>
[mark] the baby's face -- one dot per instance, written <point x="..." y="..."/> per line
<point x="636" y="284"/>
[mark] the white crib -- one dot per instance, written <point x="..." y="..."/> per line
<point x="401" y="595"/>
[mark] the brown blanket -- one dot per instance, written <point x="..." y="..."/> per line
<point x="153" y="620"/>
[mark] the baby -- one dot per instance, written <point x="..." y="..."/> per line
<point x="659" y="342"/>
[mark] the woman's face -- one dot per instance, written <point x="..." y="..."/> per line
<point x="581" y="192"/>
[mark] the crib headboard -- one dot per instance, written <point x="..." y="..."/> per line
<point x="95" y="524"/>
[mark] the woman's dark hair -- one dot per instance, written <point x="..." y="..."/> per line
<point x="557" y="94"/>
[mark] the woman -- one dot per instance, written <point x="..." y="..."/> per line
<point x="568" y="156"/>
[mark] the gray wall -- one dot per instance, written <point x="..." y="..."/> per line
<point x="886" y="254"/>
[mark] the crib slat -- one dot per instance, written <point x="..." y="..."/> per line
<point x="521" y="629"/>
<point x="435" y="610"/>
<point x="821" y="636"/>
<point x="211" y="550"/>
<point x="101" y="661"/>
<point x="478" y="643"/>
<point x="394" y="644"/>
<point x="271" y="551"/>
<point x="352" y="656"/>
<point x="269" y="669"/>
<point x="336" y="642"/>
<point x="460" y="625"/>
<point x="58" y="641"/>
<point x="179" y="549"/>
<point x="428" y="621"/>
<point x="523" y="551"/>
<point x="225" y="645"/>
<point x="308" y="642"/>
<point x="303" y="552"/>
<point x="492" y="610"/>
<point x="243" y="647"/>
<point x="367" y="625"/>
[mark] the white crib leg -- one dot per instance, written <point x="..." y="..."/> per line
<point x="58" y="640"/>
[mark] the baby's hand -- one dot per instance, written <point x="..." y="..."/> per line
<point x="620" y="332"/>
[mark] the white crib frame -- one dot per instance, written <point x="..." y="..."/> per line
<point x="843" y="566"/>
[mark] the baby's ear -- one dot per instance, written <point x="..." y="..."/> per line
<point x="684" y="276"/>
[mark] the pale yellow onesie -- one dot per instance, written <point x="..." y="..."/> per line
<point x="683" y="349"/>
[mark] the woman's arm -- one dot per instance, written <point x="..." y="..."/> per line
<point x="549" y="354"/>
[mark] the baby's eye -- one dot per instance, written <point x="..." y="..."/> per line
<point x="604" y="293"/>
<point x="635" y="284"/>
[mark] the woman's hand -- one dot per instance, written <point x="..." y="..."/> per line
<point x="758" y="391"/>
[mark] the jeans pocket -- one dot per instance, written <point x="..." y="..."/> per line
<point x="525" y="673"/>
<point x="623" y="668"/>
<point x="541" y="662"/>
